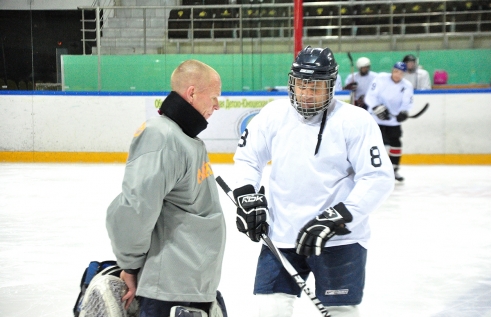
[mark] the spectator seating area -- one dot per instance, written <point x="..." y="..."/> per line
<point x="196" y="26"/>
<point x="230" y="22"/>
<point x="10" y="84"/>
<point x="254" y="19"/>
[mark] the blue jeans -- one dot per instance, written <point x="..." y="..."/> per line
<point x="150" y="307"/>
<point x="339" y="274"/>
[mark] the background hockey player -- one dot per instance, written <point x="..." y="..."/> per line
<point x="169" y="202"/>
<point x="329" y="172"/>
<point x="417" y="76"/>
<point x="338" y="85"/>
<point x="389" y="99"/>
<point x="360" y="82"/>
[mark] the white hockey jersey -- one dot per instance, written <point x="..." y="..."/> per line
<point x="338" y="85"/>
<point x="351" y="166"/>
<point x="363" y="82"/>
<point x="396" y="97"/>
<point x="420" y="79"/>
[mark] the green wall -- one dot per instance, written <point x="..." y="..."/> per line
<point x="250" y="72"/>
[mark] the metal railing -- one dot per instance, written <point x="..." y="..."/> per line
<point x="327" y="20"/>
<point x="92" y="26"/>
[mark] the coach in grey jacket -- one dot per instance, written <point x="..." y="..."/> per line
<point x="166" y="227"/>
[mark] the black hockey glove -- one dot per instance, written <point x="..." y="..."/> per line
<point x="402" y="116"/>
<point x="314" y="235"/>
<point x="351" y="86"/>
<point x="252" y="212"/>
<point x="381" y="112"/>
<point x="360" y="102"/>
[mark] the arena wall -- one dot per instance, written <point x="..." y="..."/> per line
<point x="98" y="127"/>
<point x="253" y="72"/>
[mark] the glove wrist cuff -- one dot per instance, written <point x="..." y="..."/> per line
<point x="344" y="212"/>
<point x="244" y="190"/>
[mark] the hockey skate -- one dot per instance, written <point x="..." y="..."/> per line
<point x="398" y="176"/>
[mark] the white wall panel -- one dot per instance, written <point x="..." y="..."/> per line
<point x="425" y="134"/>
<point x="16" y="133"/>
<point x="455" y="123"/>
<point x="69" y="123"/>
<point x="468" y="123"/>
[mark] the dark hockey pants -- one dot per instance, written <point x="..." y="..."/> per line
<point x="392" y="138"/>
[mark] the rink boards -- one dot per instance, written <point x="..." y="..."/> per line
<point x="98" y="127"/>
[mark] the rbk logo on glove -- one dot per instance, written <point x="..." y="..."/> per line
<point x="252" y="212"/>
<point x="251" y="199"/>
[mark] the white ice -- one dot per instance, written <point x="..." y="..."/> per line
<point x="429" y="256"/>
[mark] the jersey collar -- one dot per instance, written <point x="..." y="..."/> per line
<point x="184" y="114"/>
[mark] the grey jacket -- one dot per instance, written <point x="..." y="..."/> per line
<point x="168" y="220"/>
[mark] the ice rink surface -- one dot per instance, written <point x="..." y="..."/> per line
<point x="429" y="256"/>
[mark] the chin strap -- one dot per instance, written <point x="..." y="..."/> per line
<point x="321" y="130"/>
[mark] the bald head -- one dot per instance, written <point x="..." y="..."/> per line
<point x="192" y="73"/>
<point x="199" y="85"/>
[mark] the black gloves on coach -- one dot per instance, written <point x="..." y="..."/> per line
<point x="381" y="112"/>
<point x="315" y="233"/>
<point x="252" y="212"/>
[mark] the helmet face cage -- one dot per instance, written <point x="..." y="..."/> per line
<point x="310" y="96"/>
<point x="311" y="81"/>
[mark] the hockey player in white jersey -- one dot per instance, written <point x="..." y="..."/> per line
<point x="329" y="172"/>
<point x="417" y="76"/>
<point x="360" y="82"/>
<point x="389" y="100"/>
<point x="338" y="86"/>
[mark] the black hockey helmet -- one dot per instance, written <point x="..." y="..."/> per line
<point x="409" y="58"/>
<point x="313" y="65"/>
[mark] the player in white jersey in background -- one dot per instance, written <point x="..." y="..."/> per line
<point x="338" y="86"/>
<point x="329" y="172"/>
<point x="419" y="78"/>
<point x="360" y="82"/>
<point x="389" y="99"/>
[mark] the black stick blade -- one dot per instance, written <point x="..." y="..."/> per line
<point x="420" y="112"/>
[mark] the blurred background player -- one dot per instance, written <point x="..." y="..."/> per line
<point x="166" y="227"/>
<point x="360" y="82"/>
<point x="417" y="76"/>
<point x="338" y="86"/>
<point x="320" y="193"/>
<point x="389" y="99"/>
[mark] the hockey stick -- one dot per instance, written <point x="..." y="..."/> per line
<point x="420" y="112"/>
<point x="352" y="93"/>
<point x="288" y="267"/>
<point x="414" y="116"/>
<point x="416" y="67"/>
